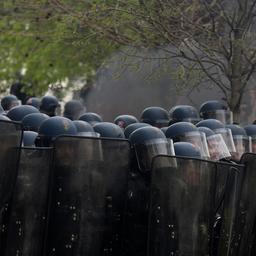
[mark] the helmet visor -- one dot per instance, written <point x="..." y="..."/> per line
<point x="217" y="147"/>
<point x="225" y="116"/>
<point x="242" y="144"/>
<point x="228" y="138"/>
<point x="198" y="139"/>
<point x="152" y="148"/>
<point x="88" y="134"/>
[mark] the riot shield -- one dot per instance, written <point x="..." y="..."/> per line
<point x="244" y="236"/>
<point x="88" y="196"/>
<point x="28" y="208"/>
<point x="10" y="139"/>
<point x="186" y="194"/>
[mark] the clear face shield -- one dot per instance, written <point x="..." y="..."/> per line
<point x="243" y="144"/>
<point x="225" y="116"/>
<point x="146" y="152"/>
<point x="198" y="139"/>
<point x="88" y="134"/>
<point x="228" y="138"/>
<point x="217" y="147"/>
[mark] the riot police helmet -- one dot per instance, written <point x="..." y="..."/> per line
<point x="32" y="122"/>
<point x="132" y="127"/>
<point x="155" y="116"/>
<point x="54" y="127"/>
<point x="84" y="129"/>
<point x="29" y="138"/>
<point x="149" y="142"/>
<point x="214" y="109"/>
<point x="184" y="113"/>
<point x="108" y="130"/>
<point x="33" y="101"/>
<point x="49" y="105"/>
<point x="208" y="132"/>
<point x="124" y="120"/>
<point x="188" y="132"/>
<point x="73" y="109"/>
<point x="19" y="112"/>
<point x="186" y="149"/>
<point x="9" y="102"/>
<point x="91" y="118"/>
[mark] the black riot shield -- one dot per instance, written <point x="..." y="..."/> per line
<point x="185" y="198"/>
<point x="88" y="196"/>
<point x="10" y="140"/>
<point x="28" y="208"/>
<point x="244" y="232"/>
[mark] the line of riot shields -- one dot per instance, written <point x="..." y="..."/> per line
<point x="85" y="196"/>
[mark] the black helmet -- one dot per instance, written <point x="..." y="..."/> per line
<point x="124" y="120"/>
<point x="208" y="132"/>
<point x="19" y="112"/>
<point x="84" y="128"/>
<point x="108" y="130"/>
<point x="184" y="113"/>
<point x="241" y="140"/>
<point x="186" y="149"/>
<point x="49" y="105"/>
<point x="73" y="109"/>
<point x="219" y="128"/>
<point x="29" y="138"/>
<point x="91" y="118"/>
<point x="155" y="116"/>
<point x="213" y="109"/>
<point x="54" y="127"/>
<point x="187" y="132"/>
<point x="34" y="101"/>
<point x="132" y="127"/>
<point x="32" y="122"/>
<point x="9" y="102"/>
<point x="251" y="131"/>
<point x="148" y="142"/>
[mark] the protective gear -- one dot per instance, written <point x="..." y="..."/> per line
<point x="215" y="110"/>
<point x="91" y="118"/>
<point x="241" y="140"/>
<point x="34" y="101"/>
<point x="73" y="109"/>
<point x="49" y="105"/>
<point x="251" y="131"/>
<point x="187" y="132"/>
<point x="28" y="209"/>
<point x="84" y="129"/>
<point x="29" y="138"/>
<point x="155" y="116"/>
<point x="88" y="200"/>
<point x="108" y="130"/>
<point x="148" y="142"/>
<point x="53" y="127"/>
<point x="219" y="128"/>
<point x="19" y="112"/>
<point x="32" y="122"/>
<point x="217" y="147"/>
<point x="185" y="149"/>
<point x="124" y="120"/>
<point x="184" y="113"/>
<point x="2" y="117"/>
<point x="9" y="102"/>
<point x="132" y="127"/>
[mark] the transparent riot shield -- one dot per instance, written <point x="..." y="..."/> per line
<point x="185" y="199"/>
<point x="10" y="140"/>
<point x="88" y="196"/>
<point x="244" y="233"/>
<point x="28" y="208"/>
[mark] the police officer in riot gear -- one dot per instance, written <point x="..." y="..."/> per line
<point x="91" y="118"/>
<point x="73" y="109"/>
<point x="213" y="109"/>
<point x="132" y="127"/>
<point x="33" y="101"/>
<point x="108" y="130"/>
<point x="49" y="105"/>
<point x="84" y="129"/>
<point x="184" y="113"/>
<point x="32" y="122"/>
<point x="9" y="102"/>
<point x="186" y="149"/>
<point x="124" y="120"/>
<point x="156" y="116"/>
